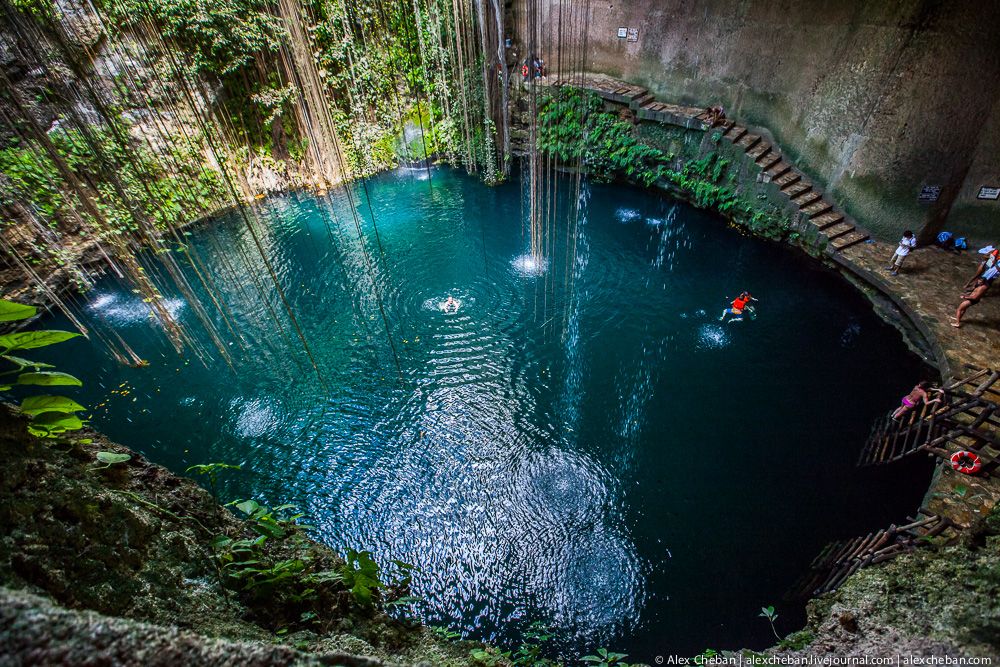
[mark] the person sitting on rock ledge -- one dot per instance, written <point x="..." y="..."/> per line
<point x="716" y="115"/>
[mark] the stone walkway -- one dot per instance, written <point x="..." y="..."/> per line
<point x="930" y="284"/>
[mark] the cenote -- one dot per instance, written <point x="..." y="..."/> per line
<point x="582" y="443"/>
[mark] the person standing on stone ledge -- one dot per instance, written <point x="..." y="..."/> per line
<point x="969" y="299"/>
<point x="906" y="244"/>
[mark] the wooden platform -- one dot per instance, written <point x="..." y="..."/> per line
<point x="967" y="418"/>
<point x="839" y="560"/>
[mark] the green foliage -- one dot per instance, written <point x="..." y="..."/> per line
<point x="219" y="36"/>
<point x="489" y="656"/>
<point x="361" y="576"/>
<point x="250" y="566"/>
<point x="51" y="416"/>
<point x="444" y="633"/>
<point x="797" y="640"/>
<point x="531" y="651"/>
<point x="111" y="458"/>
<point x="769" y="613"/>
<point x="129" y="183"/>
<point x="606" y="658"/>
<point x="31" y="178"/>
<point x="705" y="656"/>
<point x="572" y="126"/>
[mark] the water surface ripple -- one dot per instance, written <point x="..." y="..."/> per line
<point x="581" y="443"/>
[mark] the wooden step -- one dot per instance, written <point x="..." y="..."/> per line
<point x="735" y="133"/>
<point x="827" y="220"/>
<point x="804" y="199"/>
<point x="748" y="141"/>
<point x="797" y="188"/>
<point x="778" y="170"/>
<point x="817" y="208"/>
<point x="788" y="178"/>
<point x="642" y="100"/>
<point x="846" y="241"/>
<point x="759" y="150"/>
<point x="769" y="159"/>
<point x="839" y="230"/>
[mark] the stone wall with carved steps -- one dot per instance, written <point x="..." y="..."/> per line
<point x="813" y="204"/>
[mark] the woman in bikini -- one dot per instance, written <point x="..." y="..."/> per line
<point x="913" y="399"/>
<point x="969" y="299"/>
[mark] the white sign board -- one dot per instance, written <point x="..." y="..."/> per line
<point x="622" y="33"/>
<point x="987" y="192"/>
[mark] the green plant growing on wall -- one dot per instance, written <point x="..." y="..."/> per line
<point x="769" y="613"/>
<point x="219" y="36"/>
<point x="572" y="125"/>
<point x="532" y="648"/>
<point x="360" y="574"/>
<point x="705" y="656"/>
<point x="489" y="656"/>
<point x="51" y="416"/>
<point x="606" y="658"/>
<point x="111" y="459"/>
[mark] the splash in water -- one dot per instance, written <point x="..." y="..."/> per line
<point x="122" y="310"/>
<point x="530" y="266"/>
<point x="712" y="337"/>
<point x="626" y="215"/>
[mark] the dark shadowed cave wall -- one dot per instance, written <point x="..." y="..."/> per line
<point x="874" y="99"/>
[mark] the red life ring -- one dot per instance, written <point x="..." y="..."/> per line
<point x="966" y="462"/>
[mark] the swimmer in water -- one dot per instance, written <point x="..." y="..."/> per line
<point x="451" y="305"/>
<point x="740" y="303"/>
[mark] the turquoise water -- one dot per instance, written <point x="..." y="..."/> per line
<point x="581" y="443"/>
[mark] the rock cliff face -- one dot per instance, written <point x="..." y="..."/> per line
<point x="933" y="602"/>
<point x="875" y="99"/>
<point x="116" y="564"/>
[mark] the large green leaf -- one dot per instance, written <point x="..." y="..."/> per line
<point x="21" y="362"/>
<point x="36" y="405"/>
<point x="49" y="379"/>
<point x="49" y="424"/>
<point x="26" y="340"/>
<point x="10" y="311"/>
<point x="112" y="458"/>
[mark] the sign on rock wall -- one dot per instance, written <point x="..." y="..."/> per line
<point x="929" y="193"/>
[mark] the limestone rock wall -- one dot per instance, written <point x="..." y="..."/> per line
<point x="874" y="99"/>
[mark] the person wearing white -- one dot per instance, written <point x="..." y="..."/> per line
<point x="907" y="243"/>
<point x="988" y="268"/>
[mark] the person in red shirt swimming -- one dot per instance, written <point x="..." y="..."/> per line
<point x="740" y="303"/>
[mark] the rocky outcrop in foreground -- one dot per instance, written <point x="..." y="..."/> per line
<point x="33" y="631"/>
<point x="116" y="565"/>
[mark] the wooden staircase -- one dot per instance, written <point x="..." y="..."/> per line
<point x="841" y="559"/>
<point x="810" y="199"/>
<point x="967" y="418"/>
